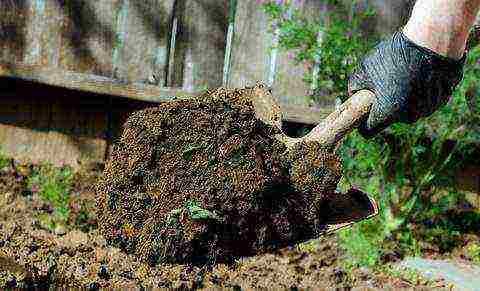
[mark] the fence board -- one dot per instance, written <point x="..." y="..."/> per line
<point x="13" y="18"/>
<point x="18" y="117"/>
<point x="87" y="35"/>
<point x="249" y="59"/>
<point x="38" y="124"/>
<point x="142" y="37"/>
<point x="44" y="31"/>
<point x="390" y="14"/>
<point x="201" y="41"/>
<point x="93" y="83"/>
<point x="253" y="60"/>
<point x="288" y="82"/>
<point x="77" y="129"/>
<point x="34" y="28"/>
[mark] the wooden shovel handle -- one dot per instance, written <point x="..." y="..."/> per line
<point x="343" y="120"/>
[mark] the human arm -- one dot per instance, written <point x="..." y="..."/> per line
<point x="414" y="72"/>
<point x="442" y="25"/>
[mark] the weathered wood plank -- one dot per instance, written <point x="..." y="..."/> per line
<point x="24" y="126"/>
<point x="288" y="77"/>
<point x="200" y="49"/>
<point x="232" y="7"/>
<point x="390" y="14"/>
<point x="249" y="51"/>
<point x="93" y="83"/>
<point x="253" y="58"/>
<point x="33" y="27"/>
<point x="46" y="34"/>
<point x="171" y="52"/>
<point x="77" y="131"/>
<point x="142" y="92"/>
<point x="39" y="123"/>
<point x="142" y="37"/>
<point x="13" y="19"/>
<point x="87" y="35"/>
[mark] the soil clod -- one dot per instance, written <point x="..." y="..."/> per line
<point x="205" y="180"/>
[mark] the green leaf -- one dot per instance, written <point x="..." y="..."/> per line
<point x="175" y="212"/>
<point x="187" y="154"/>
<point x="391" y="222"/>
<point x="197" y="213"/>
<point x="407" y="207"/>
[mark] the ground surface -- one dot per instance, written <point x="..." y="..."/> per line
<point x="460" y="273"/>
<point x="33" y="255"/>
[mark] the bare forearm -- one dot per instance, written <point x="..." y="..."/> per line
<point x="442" y="25"/>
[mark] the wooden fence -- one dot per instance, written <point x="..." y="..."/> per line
<point x="72" y="70"/>
<point x="114" y="56"/>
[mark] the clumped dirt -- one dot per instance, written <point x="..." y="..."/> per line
<point x="205" y="180"/>
<point x="34" y="256"/>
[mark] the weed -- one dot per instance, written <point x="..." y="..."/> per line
<point x="310" y="246"/>
<point x="197" y="213"/>
<point x="473" y="251"/>
<point x="53" y="185"/>
<point x="408" y="169"/>
<point x="334" y="46"/>
<point x="4" y="160"/>
<point x="194" y="211"/>
<point x="413" y="277"/>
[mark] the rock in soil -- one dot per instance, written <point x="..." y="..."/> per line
<point x="205" y="180"/>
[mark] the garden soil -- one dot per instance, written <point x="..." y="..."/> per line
<point x="33" y="255"/>
<point x="205" y="181"/>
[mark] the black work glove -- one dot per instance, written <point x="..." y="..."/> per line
<point x="409" y="82"/>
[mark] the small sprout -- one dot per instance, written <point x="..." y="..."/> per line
<point x="197" y="213"/>
<point x="175" y="212"/>
<point x="473" y="251"/>
<point x="174" y="216"/>
<point x="188" y="153"/>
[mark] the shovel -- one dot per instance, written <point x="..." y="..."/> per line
<point x="343" y="210"/>
<point x="220" y="188"/>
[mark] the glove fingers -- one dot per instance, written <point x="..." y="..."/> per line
<point x="378" y="119"/>
<point x="358" y="81"/>
<point x="409" y="82"/>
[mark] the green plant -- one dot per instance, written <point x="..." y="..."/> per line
<point x="194" y="211"/>
<point x="4" y="160"/>
<point x="407" y="275"/>
<point x="473" y="251"/>
<point x="53" y="185"/>
<point x="409" y="170"/>
<point x="335" y="46"/>
<point x="310" y="246"/>
<point x="198" y="213"/>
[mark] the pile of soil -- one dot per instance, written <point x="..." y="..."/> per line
<point x="205" y="180"/>
<point x="34" y="256"/>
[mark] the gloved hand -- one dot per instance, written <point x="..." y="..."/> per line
<point x="409" y="82"/>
